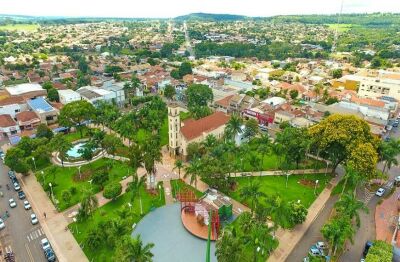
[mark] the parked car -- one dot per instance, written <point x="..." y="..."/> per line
<point x="11" y="174"/>
<point x="50" y="256"/>
<point x="17" y="186"/>
<point x="315" y="251"/>
<point x="34" y="219"/>
<point x="2" y="155"/>
<point x="380" y="192"/>
<point x="12" y="203"/>
<point x="45" y="244"/>
<point x="397" y="180"/>
<point x="321" y="245"/>
<point x="396" y="123"/>
<point x="367" y="246"/>
<point x="27" y="205"/>
<point x="2" y="225"/>
<point x="21" y="195"/>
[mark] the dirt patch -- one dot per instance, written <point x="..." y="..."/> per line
<point x="83" y="176"/>
<point x="308" y="183"/>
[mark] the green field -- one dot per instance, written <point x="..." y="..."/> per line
<point x="19" y="27"/>
<point x="340" y="27"/>
<point x="65" y="178"/>
<point x="110" y="211"/>
<point x="300" y="187"/>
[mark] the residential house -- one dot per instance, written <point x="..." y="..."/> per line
<point x="12" y="105"/>
<point x="27" y="91"/>
<point x="44" y="110"/>
<point x="8" y="126"/>
<point x="27" y="120"/>
<point x="68" y="96"/>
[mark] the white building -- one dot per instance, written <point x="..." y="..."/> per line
<point x="27" y="90"/>
<point x="8" y="126"/>
<point x="12" y="106"/>
<point x="68" y="96"/>
<point x="94" y="94"/>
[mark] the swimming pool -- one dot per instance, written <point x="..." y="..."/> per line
<point x="73" y="152"/>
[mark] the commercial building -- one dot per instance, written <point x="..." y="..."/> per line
<point x="44" y="110"/>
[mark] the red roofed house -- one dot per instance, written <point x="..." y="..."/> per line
<point x="8" y="127"/>
<point x="27" y="120"/>
<point x="189" y="131"/>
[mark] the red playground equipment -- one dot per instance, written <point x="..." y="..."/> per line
<point x="188" y="200"/>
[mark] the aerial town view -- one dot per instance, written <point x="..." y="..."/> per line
<point x="191" y="131"/>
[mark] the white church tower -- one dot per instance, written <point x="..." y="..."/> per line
<point x="174" y="128"/>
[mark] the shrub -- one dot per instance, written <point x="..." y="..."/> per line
<point x="112" y="190"/>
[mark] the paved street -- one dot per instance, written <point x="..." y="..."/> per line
<point x="19" y="235"/>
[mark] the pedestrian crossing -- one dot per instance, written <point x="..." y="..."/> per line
<point x="35" y="234"/>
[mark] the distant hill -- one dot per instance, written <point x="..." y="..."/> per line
<point x="210" y="17"/>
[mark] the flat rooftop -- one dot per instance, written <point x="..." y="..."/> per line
<point x="23" y="88"/>
<point x="40" y="105"/>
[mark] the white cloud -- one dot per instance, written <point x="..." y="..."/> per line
<point x="172" y="8"/>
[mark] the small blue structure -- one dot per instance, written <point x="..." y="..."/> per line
<point x="40" y="105"/>
<point x="14" y="140"/>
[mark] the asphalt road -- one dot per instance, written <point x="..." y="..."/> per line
<point x="365" y="233"/>
<point x="19" y="235"/>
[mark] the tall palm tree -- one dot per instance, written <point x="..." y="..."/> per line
<point x="233" y="126"/>
<point x="194" y="169"/>
<point x="349" y="206"/>
<point x="210" y="142"/>
<point x="260" y="236"/>
<point x="132" y="249"/>
<point x="60" y="143"/>
<point x="264" y="146"/>
<point x="88" y="204"/>
<point x="337" y="231"/>
<point x="279" y="211"/>
<point x="246" y="222"/>
<point x="178" y="165"/>
<point x="253" y="193"/>
<point x="134" y="188"/>
<point x="151" y="156"/>
<point x="389" y="152"/>
<point x="229" y="246"/>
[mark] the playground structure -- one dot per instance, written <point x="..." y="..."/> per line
<point x="195" y="213"/>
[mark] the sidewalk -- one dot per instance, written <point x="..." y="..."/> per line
<point x="288" y="239"/>
<point x="62" y="241"/>
<point x="280" y="173"/>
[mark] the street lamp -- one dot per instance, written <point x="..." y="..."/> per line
<point x="287" y="178"/>
<point x="159" y="187"/>
<point x="130" y="206"/>
<point x="51" y="191"/>
<point x="315" y="187"/>
<point x="34" y="163"/>
<point x="42" y="176"/>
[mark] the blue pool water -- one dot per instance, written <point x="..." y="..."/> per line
<point x="73" y="152"/>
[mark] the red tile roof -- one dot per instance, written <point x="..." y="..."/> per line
<point x="6" y="121"/>
<point x="224" y="102"/>
<point x="12" y="100"/>
<point x="26" y="116"/>
<point x="196" y="128"/>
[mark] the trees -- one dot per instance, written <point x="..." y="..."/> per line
<point x="337" y="231"/>
<point x="185" y="69"/>
<point x="229" y="246"/>
<point x="349" y="206"/>
<point x="339" y="138"/>
<point x="15" y="161"/>
<point x="297" y="213"/>
<point x="193" y="170"/>
<point x="110" y="143"/>
<point x="88" y="204"/>
<point x="52" y="95"/>
<point x="178" y="165"/>
<point x="293" y="94"/>
<point x="44" y="131"/>
<point x="198" y="97"/>
<point x="380" y="252"/>
<point x="234" y="126"/>
<point x="389" y="151"/>
<point x="169" y="92"/>
<point x="112" y="190"/>
<point x="60" y="143"/>
<point x="294" y="144"/>
<point x="74" y="114"/>
<point x="253" y="193"/>
<point x="250" y="128"/>
<point x="134" y="188"/>
<point x="87" y="150"/>
<point x="132" y="249"/>
<point x="337" y="73"/>
<point x="151" y="155"/>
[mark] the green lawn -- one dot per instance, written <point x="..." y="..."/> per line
<point x="272" y="185"/>
<point x="65" y="178"/>
<point x="340" y="27"/>
<point x="142" y="134"/>
<point x="109" y="211"/>
<point x="73" y="136"/>
<point x="178" y="184"/>
<point x="19" y="27"/>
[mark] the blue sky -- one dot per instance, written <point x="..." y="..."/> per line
<point x="172" y="8"/>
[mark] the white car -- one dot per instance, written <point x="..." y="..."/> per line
<point x="321" y="245"/>
<point x="12" y="203"/>
<point x="380" y="192"/>
<point x="2" y="225"/>
<point x="34" y="219"/>
<point x="27" y="206"/>
<point x="16" y="186"/>
<point x="45" y="244"/>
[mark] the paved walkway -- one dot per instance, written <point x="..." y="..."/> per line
<point x="288" y="239"/>
<point x="63" y="242"/>
<point x="280" y="173"/>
